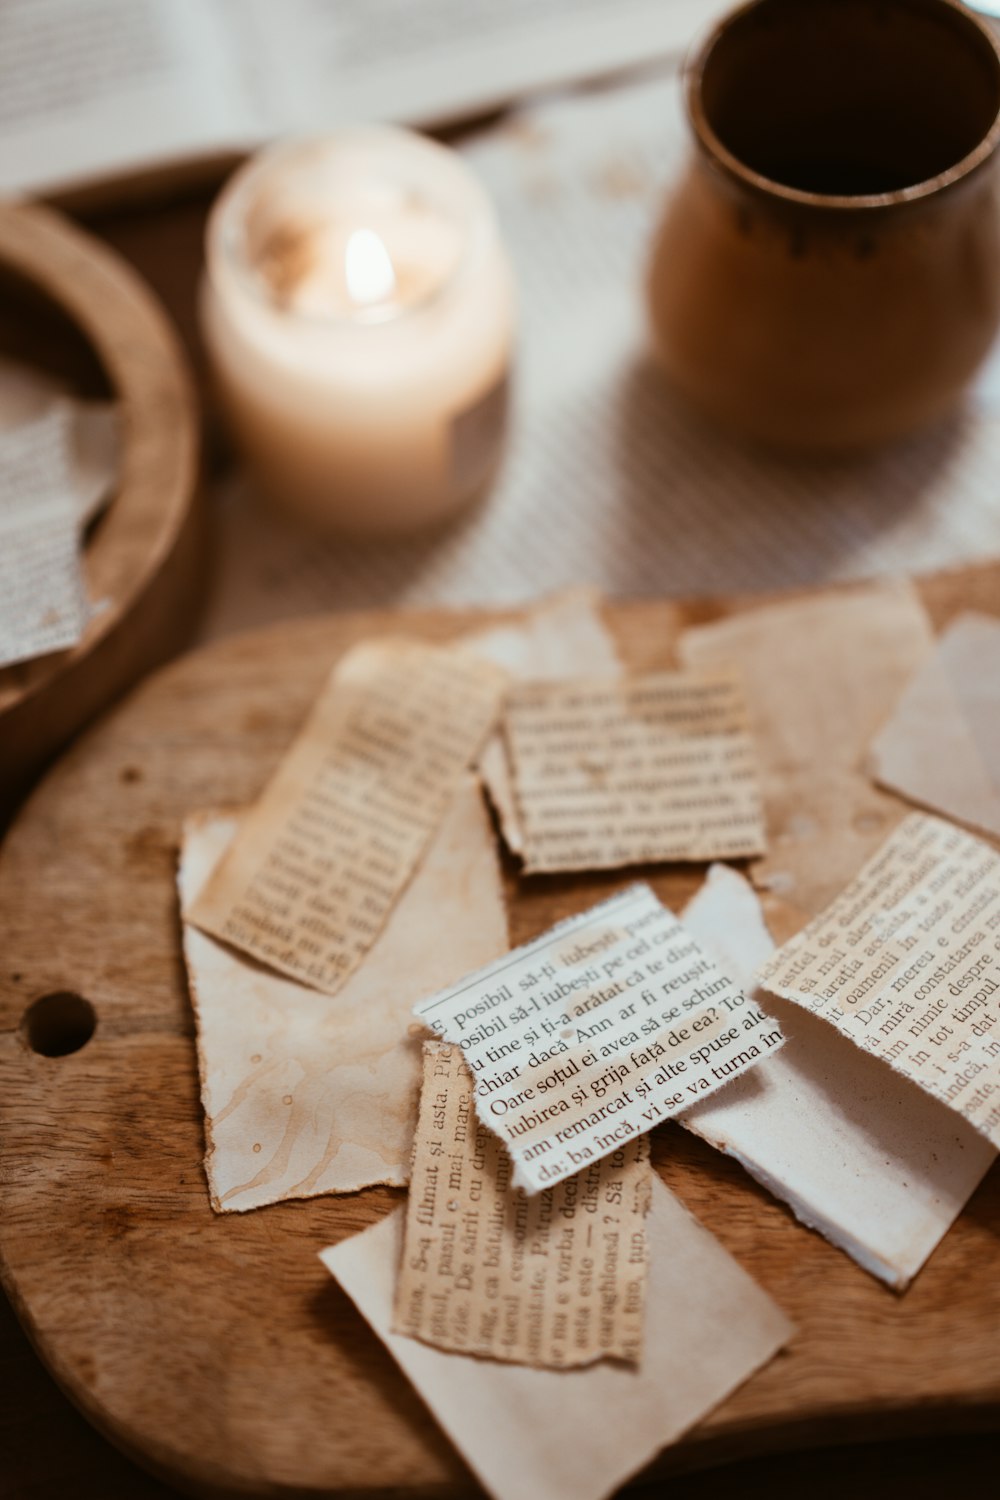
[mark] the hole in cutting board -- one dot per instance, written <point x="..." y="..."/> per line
<point x="56" y="1025"/>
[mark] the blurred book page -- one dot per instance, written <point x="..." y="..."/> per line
<point x="941" y="747"/>
<point x="435" y="60"/>
<point x="578" y="1434"/>
<point x="89" y="88"/>
<point x="859" y="1153"/>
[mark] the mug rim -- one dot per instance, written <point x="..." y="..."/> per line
<point x="769" y="187"/>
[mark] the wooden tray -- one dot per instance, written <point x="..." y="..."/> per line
<point x="142" y="560"/>
<point x="216" y="1350"/>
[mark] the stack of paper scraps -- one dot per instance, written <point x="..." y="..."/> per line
<point x="57" y="463"/>
<point x="539" y="1269"/>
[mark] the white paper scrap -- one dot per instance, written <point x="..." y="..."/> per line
<point x="941" y="747"/>
<point x="533" y="1434"/>
<point x="595" y="1032"/>
<point x="858" y="1152"/>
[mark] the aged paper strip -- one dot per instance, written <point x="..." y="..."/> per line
<point x="942" y="745"/>
<point x="306" y="1093"/>
<point x="644" y="769"/>
<point x="43" y="597"/>
<point x="820" y="675"/>
<point x="856" y="1150"/>
<point x="906" y="962"/>
<point x="562" y="637"/>
<point x="556" y="1280"/>
<point x="595" y="1032"/>
<point x="532" y="1434"/>
<point x="321" y="859"/>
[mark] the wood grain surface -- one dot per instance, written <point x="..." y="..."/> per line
<point x="216" y="1350"/>
<point x="143" y="556"/>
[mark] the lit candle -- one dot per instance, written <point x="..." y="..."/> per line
<point x="358" y="310"/>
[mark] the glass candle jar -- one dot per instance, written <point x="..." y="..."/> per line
<point x="358" y="312"/>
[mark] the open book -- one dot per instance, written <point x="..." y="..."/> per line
<point x="93" y="88"/>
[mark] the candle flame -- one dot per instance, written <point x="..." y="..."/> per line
<point x="368" y="268"/>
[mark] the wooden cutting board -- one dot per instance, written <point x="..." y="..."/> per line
<point x="216" y="1350"/>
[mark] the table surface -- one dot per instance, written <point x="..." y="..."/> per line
<point x="47" y="1449"/>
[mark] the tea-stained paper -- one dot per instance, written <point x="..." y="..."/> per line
<point x="562" y="637"/>
<point x="820" y="675"/>
<point x="942" y="745"/>
<point x="857" y="1151"/>
<point x="595" y="1032"/>
<point x="906" y="962"/>
<point x="558" y="1280"/>
<point x="43" y="597"/>
<point x="627" y="772"/>
<point x="306" y="1093"/>
<point x="532" y="1434"/>
<point x="321" y="859"/>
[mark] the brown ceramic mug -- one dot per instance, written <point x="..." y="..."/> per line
<point x="827" y="274"/>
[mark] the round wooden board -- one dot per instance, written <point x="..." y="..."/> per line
<point x="142" y="562"/>
<point x="217" y="1350"/>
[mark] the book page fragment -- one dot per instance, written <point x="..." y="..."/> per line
<point x="306" y="1093"/>
<point x="856" y="1150"/>
<point x="556" y="1280"/>
<point x="595" y="1032"/>
<point x="563" y="637"/>
<point x="906" y="962"/>
<point x="579" y="1434"/>
<point x="941" y="747"/>
<point x="43" y="596"/>
<point x="87" y="432"/>
<point x="644" y="770"/>
<point x="320" y="861"/>
<point x="819" y="675"/>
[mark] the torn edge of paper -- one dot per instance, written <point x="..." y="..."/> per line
<point x="323" y="856"/>
<point x="905" y="962"/>
<point x="557" y="1280"/>
<point x="596" y="1031"/>
<point x="633" y="771"/>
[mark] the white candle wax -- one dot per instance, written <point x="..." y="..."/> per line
<point x="358" y="310"/>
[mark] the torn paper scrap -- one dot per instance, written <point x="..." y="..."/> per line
<point x="819" y="674"/>
<point x="556" y="1280"/>
<point x="636" y="771"/>
<point x="941" y="747"/>
<point x="43" y="596"/>
<point x="905" y="962"/>
<point x="532" y="1434"/>
<point x="857" y="1151"/>
<point x="320" y="861"/>
<point x="595" y="1032"/>
<point x="306" y="1093"/>
<point x="561" y="637"/>
<point x="85" y="432"/>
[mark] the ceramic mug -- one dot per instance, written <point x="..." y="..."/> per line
<point x="827" y="274"/>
